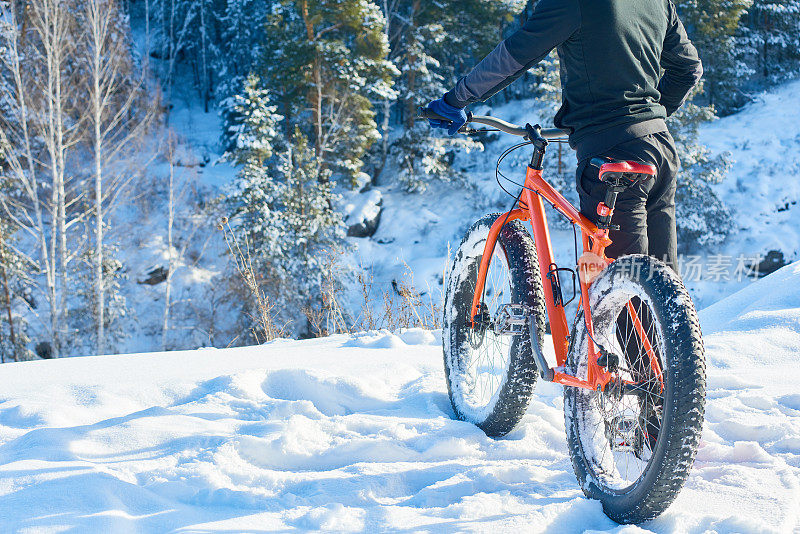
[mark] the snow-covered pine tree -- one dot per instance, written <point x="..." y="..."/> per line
<point x="703" y="220"/>
<point x="473" y="29"/>
<point x="250" y="122"/>
<point x="325" y="62"/>
<point x="420" y="153"/>
<point x="770" y="31"/>
<point x="312" y="229"/>
<point x="252" y="198"/>
<point x="282" y="203"/>
<point x="242" y="23"/>
<point x="430" y="47"/>
<point x="712" y="25"/>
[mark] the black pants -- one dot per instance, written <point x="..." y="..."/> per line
<point x="645" y="212"/>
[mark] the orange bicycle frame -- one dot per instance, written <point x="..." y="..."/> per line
<point x="595" y="240"/>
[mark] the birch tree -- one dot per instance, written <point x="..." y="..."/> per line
<point x="54" y="23"/>
<point x="39" y="125"/>
<point x="116" y="124"/>
<point x="170" y="226"/>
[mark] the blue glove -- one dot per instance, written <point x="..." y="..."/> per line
<point x="452" y="113"/>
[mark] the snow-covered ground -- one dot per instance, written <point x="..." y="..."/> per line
<point x="356" y="433"/>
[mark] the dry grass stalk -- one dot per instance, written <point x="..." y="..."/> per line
<point x="402" y="307"/>
<point x="330" y="318"/>
<point x="264" y="318"/>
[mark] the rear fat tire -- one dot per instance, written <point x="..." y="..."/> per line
<point x="684" y="394"/>
<point x="510" y="405"/>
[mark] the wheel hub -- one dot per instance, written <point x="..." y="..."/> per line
<point x="624" y="434"/>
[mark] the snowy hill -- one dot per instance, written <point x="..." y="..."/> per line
<point x="764" y="142"/>
<point x="761" y="188"/>
<point x="355" y="433"/>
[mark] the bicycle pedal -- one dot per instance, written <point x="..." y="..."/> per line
<point x="511" y="319"/>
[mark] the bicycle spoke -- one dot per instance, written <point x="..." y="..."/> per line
<point x="490" y="355"/>
<point x="626" y="426"/>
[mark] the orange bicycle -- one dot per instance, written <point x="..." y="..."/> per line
<point x="633" y="364"/>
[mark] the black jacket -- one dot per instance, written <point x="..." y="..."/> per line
<point x="625" y="66"/>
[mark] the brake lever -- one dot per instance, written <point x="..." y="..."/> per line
<point x="466" y="130"/>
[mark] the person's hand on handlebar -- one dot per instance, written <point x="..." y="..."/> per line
<point x="456" y="116"/>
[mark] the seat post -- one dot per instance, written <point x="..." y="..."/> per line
<point x="606" y="208"/>
<point x="611" y="197"/>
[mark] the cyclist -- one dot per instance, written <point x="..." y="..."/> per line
<point x="626" y="65"/>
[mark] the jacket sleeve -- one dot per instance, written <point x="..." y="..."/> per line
<point x="552" y="23"/>
<point x="681" y="64"/>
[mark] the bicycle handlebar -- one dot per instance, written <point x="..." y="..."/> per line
<point x="503" y="126"/>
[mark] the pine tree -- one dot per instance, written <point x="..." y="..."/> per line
<point x="311" y="227"/>
<point x="326" y="62"/>
<point x="703" y="220"/>
<point x="420" y="153"/>
<point x="282" y="202"/>
<point x="429" y="48"/>
<point x="250" y="121"/>
<point x="712" y="25"/>
<point x="771" y="33"/>
<point x="243" y="23"/>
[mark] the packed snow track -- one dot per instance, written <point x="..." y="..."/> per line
<point x="355" y="433"/>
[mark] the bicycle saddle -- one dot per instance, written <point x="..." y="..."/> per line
<point x="621" y="172"/>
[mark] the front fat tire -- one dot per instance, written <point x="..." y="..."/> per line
<point x="515" y="393"/>
<point x="684" y="395"/>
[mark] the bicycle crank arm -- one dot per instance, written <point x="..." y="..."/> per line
<point x="544" y="369"/>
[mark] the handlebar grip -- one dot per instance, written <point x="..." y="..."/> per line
<point x="425" y="113"/>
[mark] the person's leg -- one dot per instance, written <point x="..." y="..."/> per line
<point x="661" y="228"/>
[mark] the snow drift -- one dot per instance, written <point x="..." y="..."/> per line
<point x="354" y="433"/>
